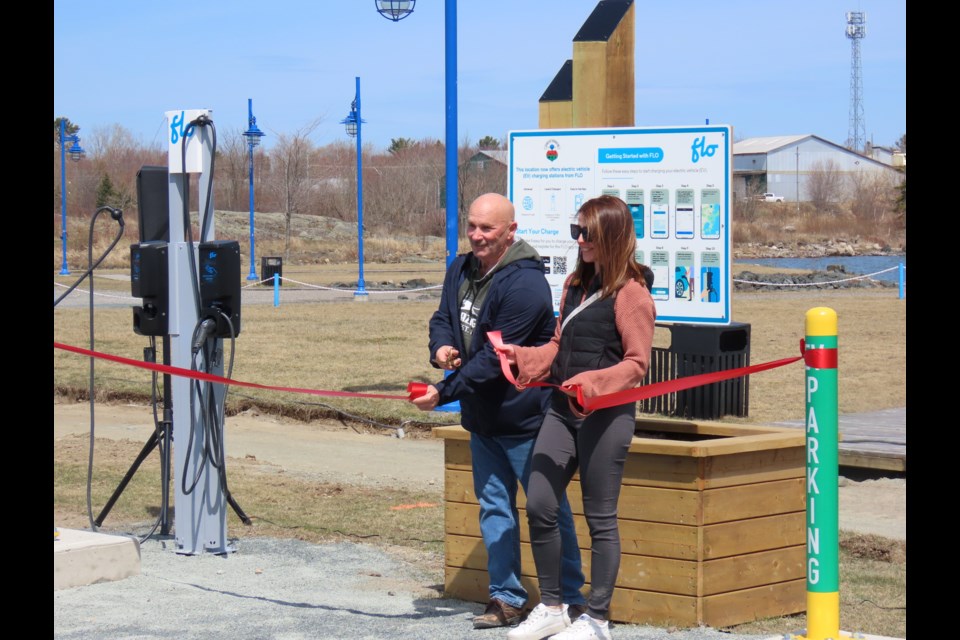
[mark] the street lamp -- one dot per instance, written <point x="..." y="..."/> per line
<point x="352" y="123"/>
<point x="395" y="10"/>
<point x="450" y="132"/>
<point x="76" y="152"/>
<point x="450" y="99"/>
<point x="253" y="135"/>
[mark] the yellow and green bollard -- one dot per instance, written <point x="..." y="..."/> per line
<point x="822" y="452"/>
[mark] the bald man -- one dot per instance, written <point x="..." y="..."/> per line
<point x="498" y="286"/>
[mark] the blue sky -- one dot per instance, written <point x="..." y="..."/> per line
<point x="766" y="67"/>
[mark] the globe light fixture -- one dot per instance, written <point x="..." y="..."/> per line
<point x="395" y="10"/>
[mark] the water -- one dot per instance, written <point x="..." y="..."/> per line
<point x="859" y="265"/>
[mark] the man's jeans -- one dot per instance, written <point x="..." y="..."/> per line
<point x="499" y="463"/>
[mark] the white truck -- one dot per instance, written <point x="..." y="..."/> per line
<point x="769" y="197"/>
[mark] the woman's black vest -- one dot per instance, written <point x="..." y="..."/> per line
<point x="590" y="340"/>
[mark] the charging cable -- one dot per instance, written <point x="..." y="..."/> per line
<point x="117" y="215"/>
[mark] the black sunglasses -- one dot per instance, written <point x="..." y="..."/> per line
<point x="576" y="230"/>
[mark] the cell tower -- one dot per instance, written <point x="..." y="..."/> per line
<point x="856" y="31"/>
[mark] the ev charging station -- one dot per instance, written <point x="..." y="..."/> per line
<point x="191" y="296"/>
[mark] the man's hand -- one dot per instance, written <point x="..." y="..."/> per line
<point x="447" y="358"/>
<point x="428" y="401"/>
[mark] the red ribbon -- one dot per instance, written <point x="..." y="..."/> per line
<point x="647" y="391"/>
<point x="818" y="358"/>
<point x="414" y="389"/>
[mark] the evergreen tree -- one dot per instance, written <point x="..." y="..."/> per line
<point x="106" y="194"/>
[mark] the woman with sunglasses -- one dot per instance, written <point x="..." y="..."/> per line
<point x="601" y="345"/>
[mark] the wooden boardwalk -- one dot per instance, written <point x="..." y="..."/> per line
<point x="874" y="440"/>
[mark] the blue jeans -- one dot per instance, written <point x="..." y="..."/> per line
<point x="499" y="463"/>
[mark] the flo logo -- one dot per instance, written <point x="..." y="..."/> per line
<point x="553" y="150"/>
<point x="700" y="149"/>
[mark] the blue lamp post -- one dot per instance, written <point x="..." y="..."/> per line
<point x="450" y="98"/>
<point x="353" y="123"/>
<point x="76" y="152"/>
<point x="253" y="135"/>
<point x="398" y="10"/>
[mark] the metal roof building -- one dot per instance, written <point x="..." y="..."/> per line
<point x="783" y="164"/>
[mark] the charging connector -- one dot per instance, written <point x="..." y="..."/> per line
<point x="204" y="331"/>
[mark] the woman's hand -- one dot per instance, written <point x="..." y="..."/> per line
<point x="570" y="390"/>
<point x="509" y="351"/>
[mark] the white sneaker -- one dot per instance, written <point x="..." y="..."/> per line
<point x="541" y="623"/>
<point x="585" y="628"/>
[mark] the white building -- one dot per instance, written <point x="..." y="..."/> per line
<point x="783" y="164"/>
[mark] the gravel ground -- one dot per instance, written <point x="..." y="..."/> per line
<point x="287" y="590"/>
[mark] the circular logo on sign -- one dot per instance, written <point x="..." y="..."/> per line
<point x="553" y="150"/>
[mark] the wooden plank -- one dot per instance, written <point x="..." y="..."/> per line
<point x="658" y="609"/>
<point x="458" y="486"/>
<point x="703" y="427"/>
<point x="874" y="460"/>
<point x="873" y="440"/>
<point x="737" y="607"/>
<point x="664" y="471"/>
<point x="754" y="570"/>
<point x="651" y="504"/>
<point x="456" y="455"/>
<point x="653" y="539"/>
<point x="450" y="433"/>
<point x="464" y="519"/>
<point x="757" y="534"/>
<point x="754" y="466"/>
<point x="556" y="114"/>
<point x="754" y="500"/>
<point x="465" y="551"/>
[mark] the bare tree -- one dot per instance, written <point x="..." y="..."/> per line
<point x="874" y="195"/>
<point x="825" y="185"/>
<point x="289" y="173"/>
<point x="403" y="186"/>
<point x="233" y="171"/>
<point x="115" y="154"/>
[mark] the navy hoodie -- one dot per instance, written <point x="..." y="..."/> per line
<point x="518" y="304"/>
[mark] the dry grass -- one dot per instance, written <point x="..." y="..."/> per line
<point x="279" y="506"/>
<point x="770" y="223"/>
<point x="380" y="346"/>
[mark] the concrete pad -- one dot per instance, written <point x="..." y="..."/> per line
<point x="85" y="557"/>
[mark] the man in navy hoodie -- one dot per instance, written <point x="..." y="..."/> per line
<point x="498" y="286"/>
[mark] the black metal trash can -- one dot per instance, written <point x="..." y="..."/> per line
<point x="270" y="265"/>
<point x="696" y="349"/>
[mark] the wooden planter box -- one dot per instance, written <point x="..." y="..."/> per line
<point x="712" y="525"/>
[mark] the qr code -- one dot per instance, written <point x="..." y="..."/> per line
<point x="560" y="265"/>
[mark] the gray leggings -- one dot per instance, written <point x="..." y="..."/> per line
<point x="597" y="445"/>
